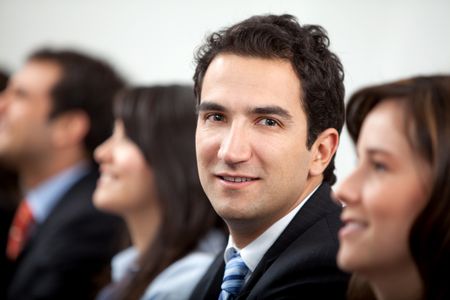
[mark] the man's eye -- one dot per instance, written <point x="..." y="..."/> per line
<point x="379" y="167"/>
<point x="215" y="117"/>
<point x="268" y="122"/>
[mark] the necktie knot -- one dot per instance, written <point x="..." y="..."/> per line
<point x="234" y="277"/>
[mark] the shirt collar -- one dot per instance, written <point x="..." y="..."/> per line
<point x="44" y="197"/>
<point x="253" y="252"/>
<point x="123" y="263"/>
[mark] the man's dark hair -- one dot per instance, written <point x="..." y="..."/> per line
<point x="87" y="84"/>
<point x="306" y="47"/>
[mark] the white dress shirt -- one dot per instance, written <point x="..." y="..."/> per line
<point x="253" y="252"/>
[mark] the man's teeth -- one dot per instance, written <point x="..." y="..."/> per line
<point x="236" y="179"/>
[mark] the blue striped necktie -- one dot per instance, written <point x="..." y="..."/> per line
<point x="234" y="277"/>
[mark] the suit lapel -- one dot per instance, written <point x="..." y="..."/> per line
<point x="313" y="210"/>
<point x="209" y="285"/>
<point x="35" y="249"/>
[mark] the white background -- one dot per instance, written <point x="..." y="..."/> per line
<point x="154" y="41"/>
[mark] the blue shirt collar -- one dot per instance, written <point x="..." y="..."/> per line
<point x="44" y="197"/>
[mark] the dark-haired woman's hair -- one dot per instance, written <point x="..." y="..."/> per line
<point x="426" y="105"/>
<point x="306" y="47"/>
<point x="161" y="120"/>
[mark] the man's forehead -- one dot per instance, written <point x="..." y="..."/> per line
<point x="37" y="75"/>
<point x="260" y="74"/>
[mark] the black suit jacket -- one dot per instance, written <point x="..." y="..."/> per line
<point x="68" y="255"/>
<point x="6" y="217"/>
<point x="301" y="264"/>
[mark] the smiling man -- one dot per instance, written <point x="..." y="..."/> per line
<point x="270" y="111"/>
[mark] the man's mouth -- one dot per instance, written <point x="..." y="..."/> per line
<point x="236" y="179"/>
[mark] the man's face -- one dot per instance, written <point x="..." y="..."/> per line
<point x="24" y="110"/>
<point x="251" y="140"/>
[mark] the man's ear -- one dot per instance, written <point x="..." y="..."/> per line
<point x="70" y="128"/>
<point x="323" y="150"/>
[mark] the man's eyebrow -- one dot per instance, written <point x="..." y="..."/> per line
<point x="378" y="151"/>
<point x="210" y="106"/>
<point x="271" y="110"/>
<point x="263" y="110"/>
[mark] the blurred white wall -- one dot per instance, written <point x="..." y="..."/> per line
<point x="154" y="41"/>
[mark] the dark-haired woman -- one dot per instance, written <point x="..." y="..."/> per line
<point x="149" y="177"/>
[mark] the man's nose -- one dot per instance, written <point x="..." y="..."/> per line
<point x="235" y="147"/>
